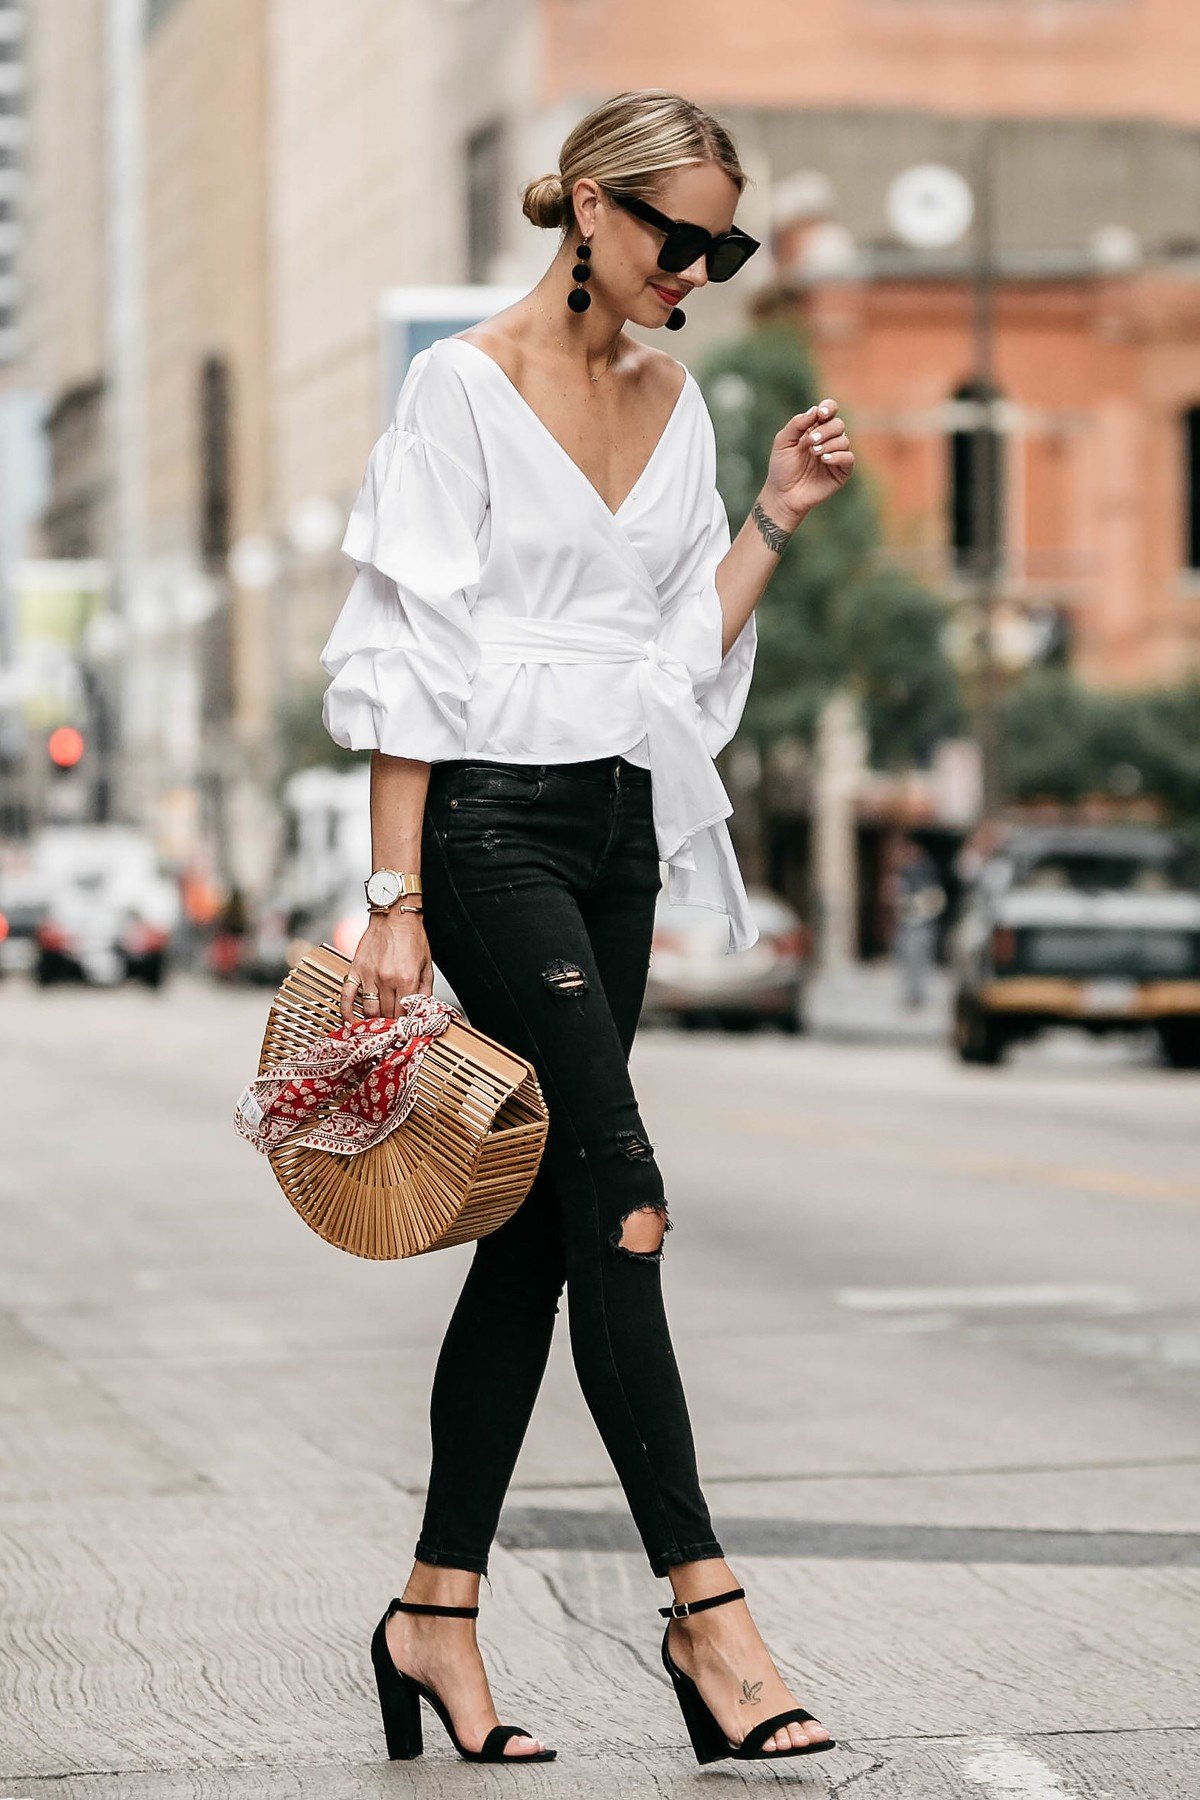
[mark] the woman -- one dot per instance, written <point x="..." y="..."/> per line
<point x="550" y="637"/>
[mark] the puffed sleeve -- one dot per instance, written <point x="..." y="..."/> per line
<point x="692" y="621"/>
<point x="402" y="652"/>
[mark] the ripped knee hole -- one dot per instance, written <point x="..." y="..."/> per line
<point x="641" y="1236"/>
<point x="565" y="978"/>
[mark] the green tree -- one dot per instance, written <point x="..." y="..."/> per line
<point x="1064" y="741"/>
<point x="838" y="611"/>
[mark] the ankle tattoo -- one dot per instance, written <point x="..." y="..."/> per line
<point x="751" y="1690"/>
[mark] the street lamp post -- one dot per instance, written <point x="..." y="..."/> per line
<point x="930" y="207"/>
<point x="124" y="324"/>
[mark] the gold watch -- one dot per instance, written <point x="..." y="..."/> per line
<point x="384" y="887"/>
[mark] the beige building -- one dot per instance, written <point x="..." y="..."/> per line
<point x="145" y="329"/>
<point x="62" y="264"/>
<point x="12" y="129"/>
<point x="207" y="406"/>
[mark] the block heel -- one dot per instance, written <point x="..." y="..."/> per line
<point x="708" y="1740"/>
<point x="399" y="1701"/>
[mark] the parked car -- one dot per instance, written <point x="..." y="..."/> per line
<point x="21" y="906"/>
<point x="1093" y="926"/>
<point x="694" y="981"/>
<point x="108" y="911"/>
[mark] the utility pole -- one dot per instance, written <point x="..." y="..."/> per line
<point x="931" y="206"/>
<point x="124" y="332"/>
<point x="987" y="520"/>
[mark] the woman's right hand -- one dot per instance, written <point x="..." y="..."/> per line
<point x="392" y="960"/>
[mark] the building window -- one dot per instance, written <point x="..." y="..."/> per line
<point x="976" y="487"/>
<point x="156" y="12"/>
<point x="214" y="462"/>
<point x="1191" y="487"/>
<point x="484" y="158"/>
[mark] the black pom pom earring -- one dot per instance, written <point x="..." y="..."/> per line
<point x="675" y="318"/>
<point x="579" y="299"/>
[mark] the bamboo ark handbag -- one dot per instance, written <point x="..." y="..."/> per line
<point x="455" y="1168"/>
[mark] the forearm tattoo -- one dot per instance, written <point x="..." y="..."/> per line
<point x="773" y="536"/>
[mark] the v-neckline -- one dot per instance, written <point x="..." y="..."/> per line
<point x="613" y="513"/>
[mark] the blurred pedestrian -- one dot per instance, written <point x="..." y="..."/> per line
<point x="231" y="928"/>
<point x="919" y="900"/>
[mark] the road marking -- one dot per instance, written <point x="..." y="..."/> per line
<point x="1004" y="1770"/>
<point x="1121" y="1184"/>
<point x="1108" y="1295"/>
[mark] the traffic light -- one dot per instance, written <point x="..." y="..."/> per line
<point x="65" y="746"/>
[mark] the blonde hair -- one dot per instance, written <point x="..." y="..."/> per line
<point x="629" y="143"/>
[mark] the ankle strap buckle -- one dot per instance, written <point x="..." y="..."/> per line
<point x="680" y="1609"/>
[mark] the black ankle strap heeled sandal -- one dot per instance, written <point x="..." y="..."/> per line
<point x="708" y="1739"/>
<point x="400" y="1697"/>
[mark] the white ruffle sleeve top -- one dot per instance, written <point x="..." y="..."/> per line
<point x="503" y="610"/>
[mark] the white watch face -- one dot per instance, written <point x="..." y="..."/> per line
<point x="383" y="887"/>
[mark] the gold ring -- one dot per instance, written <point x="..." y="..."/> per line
<point x="356" y="979"/>
<point x="369" y="996"/>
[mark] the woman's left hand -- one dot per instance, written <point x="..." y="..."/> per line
<point x="811" y="458"/>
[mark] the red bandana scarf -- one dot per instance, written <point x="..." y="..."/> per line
<point x="371" y="1063"/>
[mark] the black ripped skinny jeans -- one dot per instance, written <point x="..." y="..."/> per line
<point x="540" y="883"/>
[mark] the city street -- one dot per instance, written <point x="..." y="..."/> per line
<point x="939" y="1328"/>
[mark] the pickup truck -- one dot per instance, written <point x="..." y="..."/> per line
<point x="1084" y="925"/>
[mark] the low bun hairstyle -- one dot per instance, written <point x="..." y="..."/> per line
<point x="630" y="143"/>
<point x="543" y="202"/>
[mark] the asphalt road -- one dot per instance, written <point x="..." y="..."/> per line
<point x="939" y="1327"/>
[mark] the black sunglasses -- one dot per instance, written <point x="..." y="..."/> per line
<point x="723" y="254"/>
